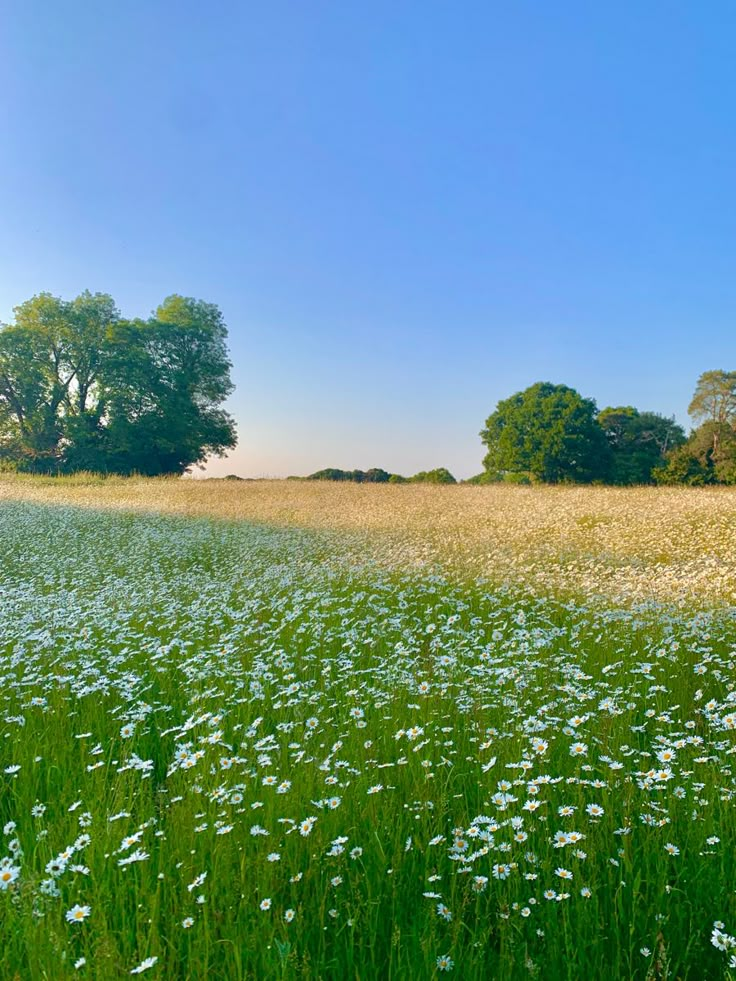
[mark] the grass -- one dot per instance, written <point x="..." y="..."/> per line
<point x="429" y="752"/>
<point x="629" y="545"/>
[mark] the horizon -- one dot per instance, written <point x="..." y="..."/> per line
<point x="403" y="218"/>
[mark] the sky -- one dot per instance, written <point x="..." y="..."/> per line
<point x="405" y="210"/>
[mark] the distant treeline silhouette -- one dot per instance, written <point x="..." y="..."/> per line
<point x="377" y="476"/>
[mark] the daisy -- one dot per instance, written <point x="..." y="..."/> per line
<point x="306" y="826"/>
<point x="8" y="875"/>
<point x="144" y="965"/>
<point x="77" y="913"/>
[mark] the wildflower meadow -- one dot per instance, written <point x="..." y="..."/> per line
<point x="334" y="733"/>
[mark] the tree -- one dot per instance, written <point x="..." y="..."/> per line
<point x="171" y="374"/>
<point x="80" y="388"/>
<point x="549" y="432"/>
<point x="51" y="363"/>
<point x="715" y="398"/>
<point x="715" y="401"/>
<point x="639" y="442"/>
<point x="708" y="457"/>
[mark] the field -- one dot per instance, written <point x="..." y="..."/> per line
<point x="285" y="730"/>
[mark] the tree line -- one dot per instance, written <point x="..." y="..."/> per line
<point x="441" y="475"/>
<point x="550" y="433"/>
<point x="82" y="388"/>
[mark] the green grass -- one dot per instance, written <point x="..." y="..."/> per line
<point x="304" y="657"/>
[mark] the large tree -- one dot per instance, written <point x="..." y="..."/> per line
<point x="714" y="401"/>
<point x="549" y="432"/>
<point x="709" y="455"/>
<point x="639" y="442"/>
<point x="80" y="388"/>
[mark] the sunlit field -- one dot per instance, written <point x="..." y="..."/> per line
<point x="626" y="544"/>
<point x="286" y="730"/>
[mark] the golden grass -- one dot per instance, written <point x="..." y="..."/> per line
<point x="670" y="544"/>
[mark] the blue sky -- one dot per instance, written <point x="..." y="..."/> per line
<point x="406" y="211"/>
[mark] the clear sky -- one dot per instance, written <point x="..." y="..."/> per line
<point x="406" y="210"/>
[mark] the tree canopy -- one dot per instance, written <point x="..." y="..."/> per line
<point x="709" y="455"/>
<point x="83" y="389"/>
<point x="715" y="398"/>
<point x="639" y="442"/>
<point x="549" y="432"/>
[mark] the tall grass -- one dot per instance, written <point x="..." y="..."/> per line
<point x="337" y="766"/>
<point x="628" y="544"/>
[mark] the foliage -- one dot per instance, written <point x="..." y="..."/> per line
<point x="714" y="399"/>
<point x="373" y="476"/>
<point x="83" y="389"/>
<point x="639" y="443"/>
<point x="549" y="432"/>
<point x="480" y="478"/>
<point x="708" y="457"/>
<point x="378" y="476"/>
<point x="439" y="476"/>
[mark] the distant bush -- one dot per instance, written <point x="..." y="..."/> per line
<point x="439" y="476"/>
<point x="331" y="473"/>
<point x="378" y="476"/>
<point x="372" y="476"/>
<point x="483" y="478"/>
<point x="375" y="476"/>
<point x="504" y="477"/>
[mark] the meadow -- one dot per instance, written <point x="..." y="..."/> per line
<point x="285" y="730"/>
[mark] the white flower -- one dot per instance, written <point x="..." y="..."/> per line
<point x="144" y="965"/>
<point x="8" y="875"/>
<point x="77" y="913"/>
